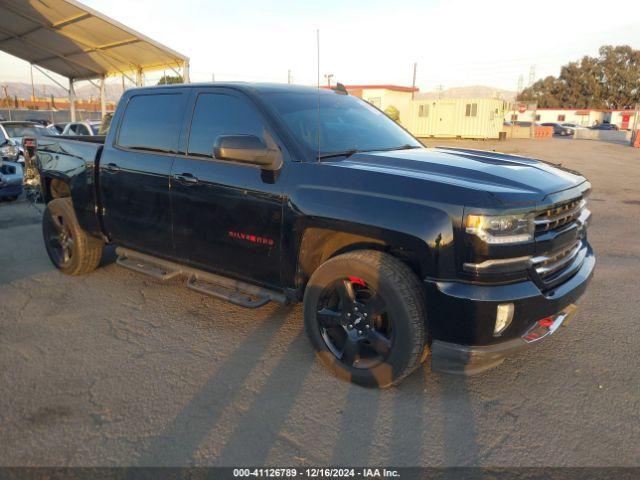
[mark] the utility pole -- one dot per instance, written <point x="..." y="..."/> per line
<point x="532" y="75"/>
<point x="413" y="84"/>
<point x="520" y="86"/>
<point x="289" y="77"/>
<point x="329" y="76"/>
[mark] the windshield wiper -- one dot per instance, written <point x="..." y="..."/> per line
<point x="346" y="153"/>
<point x="406" y="146"/>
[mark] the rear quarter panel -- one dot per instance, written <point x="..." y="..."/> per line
<point x="73" y="162"/>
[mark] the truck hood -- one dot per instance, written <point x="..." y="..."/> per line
<point x="509" y="178"/>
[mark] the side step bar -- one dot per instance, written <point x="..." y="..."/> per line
<point x="234" y="291"/>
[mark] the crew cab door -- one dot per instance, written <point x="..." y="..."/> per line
<point x="227" y="216"/>
<point x="135" y="168"/>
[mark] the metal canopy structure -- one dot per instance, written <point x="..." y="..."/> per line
<point x="79" y="43"/>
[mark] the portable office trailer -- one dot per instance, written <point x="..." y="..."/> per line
<point x="479" y="118"/>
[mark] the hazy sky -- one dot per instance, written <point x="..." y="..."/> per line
<point x="455" y="43"/>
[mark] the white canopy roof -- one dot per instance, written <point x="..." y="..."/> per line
<point x="74" y="41"/>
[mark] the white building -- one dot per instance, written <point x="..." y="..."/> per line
<point x="385" y="96"/>
<point x="445" y="118"/>
<point x="584" y="117"/>
<point x="624" y="119"/>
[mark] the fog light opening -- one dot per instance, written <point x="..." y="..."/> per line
<point x="504" y="315"/>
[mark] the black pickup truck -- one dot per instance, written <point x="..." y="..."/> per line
<point x="258" y="193"/>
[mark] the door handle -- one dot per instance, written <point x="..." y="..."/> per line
<point x="186" y="178"/>
<point x="112" y="167"/>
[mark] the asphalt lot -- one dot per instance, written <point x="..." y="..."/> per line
<point x="118" y="369"/>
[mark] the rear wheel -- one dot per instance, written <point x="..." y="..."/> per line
<point x="69" y="247"/>
<point x="365" y="316"/>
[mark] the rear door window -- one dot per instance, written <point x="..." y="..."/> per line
<point x="152" y="122"/>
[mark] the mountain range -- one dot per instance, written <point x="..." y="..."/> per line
<point x="83" y="92"/>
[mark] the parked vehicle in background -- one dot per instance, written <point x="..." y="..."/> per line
<point x="9" y="151"/>
<point x="605" y="126"/>
<point x="10" y="180"/>
<point x="559" y="129"/>
<point x="16" y="131"/>
<point x="40" y="121"/>
<point x="59" y="127"/>
<point x="575" y="126"/>
<point x="283" y="193"/>
<point x="518" y="124"/>
<point x="82" y="128"/>
<point x="53" y="130"/>
<point x="106" y="124"/>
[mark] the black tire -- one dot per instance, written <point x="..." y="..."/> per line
<point x="393" y="344"/>
<point x="70" y="248"/>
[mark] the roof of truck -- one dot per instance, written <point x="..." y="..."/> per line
<point x="255" y="87"/>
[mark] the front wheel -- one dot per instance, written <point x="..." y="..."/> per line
<point x="364" y="313"/>
<point x="70" y="248"/>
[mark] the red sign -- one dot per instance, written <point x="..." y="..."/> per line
<point x="522" y="107"/>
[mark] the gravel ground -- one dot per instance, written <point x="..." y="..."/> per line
<point x="118" y="369"/>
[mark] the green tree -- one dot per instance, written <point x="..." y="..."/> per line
<point x="610" y="80"/>
<point x="169" y="79"/>
<point x="393" y="113"/>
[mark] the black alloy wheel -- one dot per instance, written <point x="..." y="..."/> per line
<point x="354" y="323"/>
<point x="365" y="316"/>
<point x="59" y="239"/>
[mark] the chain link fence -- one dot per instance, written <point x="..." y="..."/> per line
<point x="53" y="116"/>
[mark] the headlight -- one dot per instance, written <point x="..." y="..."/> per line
<point x="501" y="229"/>
<point x="9" y="151"/>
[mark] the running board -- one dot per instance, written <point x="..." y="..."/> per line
<point x="234" y="291"/>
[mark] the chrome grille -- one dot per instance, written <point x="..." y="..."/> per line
<point x="557" y="265"/>
<point x="559" y="215"/>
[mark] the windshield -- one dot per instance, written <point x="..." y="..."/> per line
<point x="347" y="124"/>
<point x="25" y="130"/>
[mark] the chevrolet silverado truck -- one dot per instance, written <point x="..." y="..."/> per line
<point x="256" y="192"/>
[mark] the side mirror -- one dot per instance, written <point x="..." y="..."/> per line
<point x="247" y="149"/>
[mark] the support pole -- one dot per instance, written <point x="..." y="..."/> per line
<point x="33" y="88"/>
<point x="139" y="78"/>
<point x="103" y="97"/>
<point x="185" y="73"/>
<point x="72" y="100"/>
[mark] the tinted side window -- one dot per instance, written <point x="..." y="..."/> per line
<point x="219" y="114"/>
<point x="152" y="122"/>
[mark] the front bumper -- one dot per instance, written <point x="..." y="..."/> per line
<point x="461" y="318"/>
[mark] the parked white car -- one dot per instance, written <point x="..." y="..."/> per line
<point x="81" y="128"/>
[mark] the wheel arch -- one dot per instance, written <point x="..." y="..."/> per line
<point x="55" y="186"/>
<point x="319" y="244"/>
